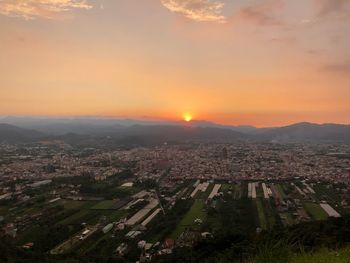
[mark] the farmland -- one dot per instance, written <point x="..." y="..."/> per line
<point x="203" y="208"/>
<point x="232" y="207"/>
<point x="315" y="211"/>
<point x="196" y="212"/>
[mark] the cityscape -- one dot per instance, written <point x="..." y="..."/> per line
<point x="88" y="199"/>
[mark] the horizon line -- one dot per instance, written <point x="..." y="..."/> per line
<point x="155" y="119"/>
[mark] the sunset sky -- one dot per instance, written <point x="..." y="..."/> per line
<point x="258" y="62"/>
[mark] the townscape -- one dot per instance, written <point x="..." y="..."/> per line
<point x="142" y="202"/>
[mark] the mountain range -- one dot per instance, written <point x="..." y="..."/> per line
<point x="17" y="129"/>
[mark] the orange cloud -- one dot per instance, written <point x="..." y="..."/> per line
<point x="31" y="9"/>
<point x="198" y="10"/>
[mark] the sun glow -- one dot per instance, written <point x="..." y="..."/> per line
<point x="187" y="117"/>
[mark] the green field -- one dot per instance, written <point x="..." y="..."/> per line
<point x="113" y="215"/>
<point x="288" y="218"/>
<point x="195" y="212"/>
<point x="80" y="217"/>
<point x="281" y="191"/>
<point x="327" y="193"/>
<point x="107" y="204"/>
<point x="322" y="256"/>
<point x="261" y="214"/>
<point x="315" y="211"/>
<point x="92" y="216"/>
<point x="226" y="187"/>
<point x="71" y="204"/>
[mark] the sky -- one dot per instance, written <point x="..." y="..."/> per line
<point x="256" y="62"/>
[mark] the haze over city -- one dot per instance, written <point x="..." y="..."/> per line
<point x="263" y="63"/>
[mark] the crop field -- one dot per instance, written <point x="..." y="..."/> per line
<point x="315" y="211"/>
<point x="226" y="187"/>
<point x="127" y="190"/>
<point x="287" y="217"/>
<point x="70" y="204"/>
<point x="83" y="216"/>
<point x="261" y="213"/>
<point x="281" y="191"/>
<point x="107" y="204"/>
<point x="237" y="192"/>
<point x="327" y="193"/>
<point x="196" y="212"/>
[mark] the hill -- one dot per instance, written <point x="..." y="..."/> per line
<point x="309" y="132"/>
<point x="13" y="134"/>
<point x="150" y="132"/>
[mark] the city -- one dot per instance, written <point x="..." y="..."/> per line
<point x="143" y="202"/>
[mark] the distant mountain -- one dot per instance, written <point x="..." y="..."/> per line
<point x="61" y="126"/>
<point x="178" y="133"/>
<point x="103" y="126"/>
<point x="158" y="131"/>
<point x="309" y="132"/>
<point x="13" y="134"/>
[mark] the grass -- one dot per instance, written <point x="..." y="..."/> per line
<point x="127" y="190"/>
<point x="107" y="204"/>
<point x="237" y="191"/>
<point x="195" y="212"/>
<point x="315" y="211"/>
<point x="226" y="187"/>
<point x="324" y="256"/>
<point x="281" y="191"/>
<point x="70" y="205"/>
<point x="271" y="214"/>
<point x="76" y="218"/>
<point x="283" y="254"/>
<point x="114" y="215"/>
<point x="204" y="195"/>
<point x="329" y="194"/>
<point x="92" y="216"/>
<point x="289" y="219"/>
<point x="261" y="214"/>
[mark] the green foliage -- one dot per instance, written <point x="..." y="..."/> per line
<point x="315" y="211"/>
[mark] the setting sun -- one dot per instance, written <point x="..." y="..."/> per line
<point x="187" y="117"/>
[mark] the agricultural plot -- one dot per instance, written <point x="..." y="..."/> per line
<point x="83" y="216"/>
<point x="196" y="212"/>
<point x="261" y="213"/>
<point x="315" y="211"/>
<point x="72" y="205"/>
<point x="267" y="214"/>
<point x="104" y="205"/>
<point x="237" y="191"/>
<point x="259" y="190"/>
<point x="279" y="188"/>
<point x="93" y="216"/>
<point x="204" y="195"/>
<point x="127" y="190"/>
<point x="287" y="218"/>
<point x="226" y="187"/>
<point x="327" y="193"/>
<point x="112" y="215"/>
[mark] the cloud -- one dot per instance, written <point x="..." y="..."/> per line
<point x="339" y="68"/>
<point x="262" y="13"/>
<point x="30" y="9"/>
<point x="198" y="10"/>
<point x="332" y="7"/>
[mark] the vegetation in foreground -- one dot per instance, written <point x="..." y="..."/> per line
<point x="320" y="241"/>
<point x="314" y="242"/>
